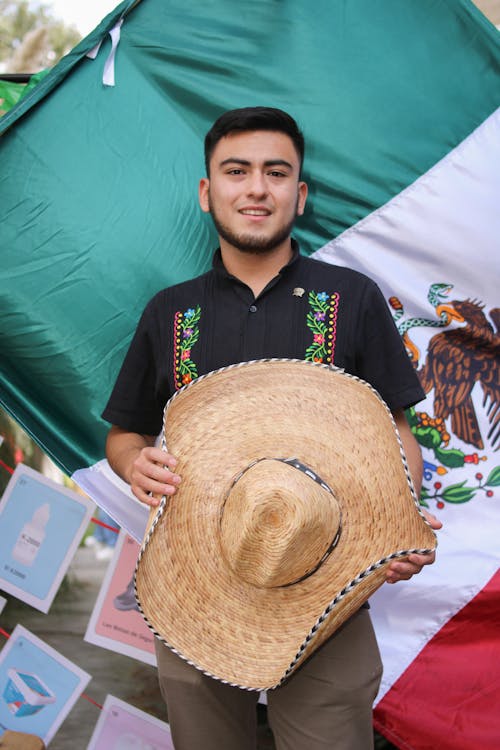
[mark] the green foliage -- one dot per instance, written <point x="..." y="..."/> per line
<point x="317" y="322"/>
<point x="429" y="437"/>
<point x="458" y="493"/>
<point x="493" y="479"/>
<point x="411" y="416"/>
<point x="190" y="335"/>
<point x="450" y="457"/>
<point x="10" y="93"/>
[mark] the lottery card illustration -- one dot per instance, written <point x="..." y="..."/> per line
<point x="116" y="622"/>
<point x="124" y="727"/>
<point x="38" y="685"/>
<point x="41" y="525"/>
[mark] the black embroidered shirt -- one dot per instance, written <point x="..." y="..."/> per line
<point x="310" y="310"/>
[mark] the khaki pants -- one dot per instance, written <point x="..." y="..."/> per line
<point x="325" y="705"/>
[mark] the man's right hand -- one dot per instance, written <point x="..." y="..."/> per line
<point x="147" y="469"/>
<point x="153" y="471"/>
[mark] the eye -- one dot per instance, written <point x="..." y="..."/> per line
<point x="235" y="171"/>
<point x="277" y="173"/>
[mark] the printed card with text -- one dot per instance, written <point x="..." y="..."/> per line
<point x="124" y="727"/>
<point x="116" y="622"/>
<point x="38" y="686"/>
<point x="41" y="525"/>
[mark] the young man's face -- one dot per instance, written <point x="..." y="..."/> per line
<point x="254" y="192"/>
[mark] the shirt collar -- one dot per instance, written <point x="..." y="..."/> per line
<point x="219" y="267"/>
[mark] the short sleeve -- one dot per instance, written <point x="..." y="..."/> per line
<point x="135" y="403"/>
<point x="381" y="356"/>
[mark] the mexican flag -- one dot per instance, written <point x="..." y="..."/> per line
<point x="98" y="211"/>
<point x="432" y="250"/>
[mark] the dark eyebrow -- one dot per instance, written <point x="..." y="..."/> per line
<point x="234" y="160"/>
<point x="268" y="163"/>
<point x="278" y="163"/>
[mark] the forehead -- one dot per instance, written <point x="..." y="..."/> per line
<point x="256" y="146"/>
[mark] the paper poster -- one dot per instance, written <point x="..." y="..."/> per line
<point x="116" y="623"/>
<point x="124" y="727"/>
<point x="41" y="525"/>
<point x="38" y="686"/>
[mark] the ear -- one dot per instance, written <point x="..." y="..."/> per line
<point x="301" y="198"/>
<point x="203" y="194"/>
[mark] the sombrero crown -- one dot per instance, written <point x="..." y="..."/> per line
<point x="295" y="497"/>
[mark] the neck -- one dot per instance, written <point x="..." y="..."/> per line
<point x="255" y="269"/>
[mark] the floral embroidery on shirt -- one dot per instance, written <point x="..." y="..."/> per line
<point x="322" y="322"/>
<point x="186" y="334"/>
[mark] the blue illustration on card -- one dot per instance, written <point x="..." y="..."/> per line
<point x="37" y="526"/>
<point x="34" y="687"/>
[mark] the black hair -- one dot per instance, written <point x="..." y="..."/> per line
<point x="253" y="118"/>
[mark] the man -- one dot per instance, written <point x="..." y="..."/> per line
<point x="262" y="299"/>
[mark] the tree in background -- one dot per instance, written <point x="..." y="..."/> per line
<point x="16" y="447"/>
<point x="31" y="39"/>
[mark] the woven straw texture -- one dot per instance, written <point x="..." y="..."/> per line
<point x="231" y="574"/>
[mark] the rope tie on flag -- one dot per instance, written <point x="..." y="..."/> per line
<point x="108" y="75"/>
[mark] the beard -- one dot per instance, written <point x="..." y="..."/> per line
<point x="252" y="243"/>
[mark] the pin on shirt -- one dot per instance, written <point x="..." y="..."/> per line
<point x="298" y="291"/>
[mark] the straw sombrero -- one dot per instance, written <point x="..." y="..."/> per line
<point x="295" y="497"/>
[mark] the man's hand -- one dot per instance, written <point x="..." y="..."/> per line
<point x="404" y="569"/>
<point x="146" y="468"/>
<point x="153" y="471"/>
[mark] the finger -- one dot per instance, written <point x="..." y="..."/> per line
<point x="434" y="522"/>
<point x="147" y="485"/>
<point x="143" y="467"/>
<point x="160" y="456"/>
<point x="143" y="497"/>
<point x="158" y="473"/>
<point x="396" y="579"/>
<point x="422" y="559"/>
<point x="404" y="570"/>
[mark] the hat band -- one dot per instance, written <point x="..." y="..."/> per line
<point x="310" y="473"/>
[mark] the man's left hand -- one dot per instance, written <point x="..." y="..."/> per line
<point x="403" y="570"/>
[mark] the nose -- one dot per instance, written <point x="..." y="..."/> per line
<point x="257" y="186"/>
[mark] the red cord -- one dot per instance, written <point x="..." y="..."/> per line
<point x="87" y="698"/>
<point x="106" y="526"/>
<point x="7" y="468"/>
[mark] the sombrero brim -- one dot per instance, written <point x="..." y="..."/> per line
<point x="242" y="634"/>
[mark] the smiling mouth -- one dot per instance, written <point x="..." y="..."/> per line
<point x="255" y="212"/>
